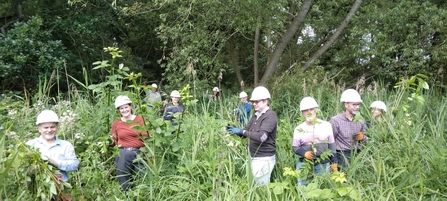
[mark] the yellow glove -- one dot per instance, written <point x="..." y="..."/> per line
<point x="309" y="155"/>
<point x="334" y="167"/>
<point x="360" y="136"/>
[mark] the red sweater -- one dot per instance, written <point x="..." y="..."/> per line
<point x="125" y="135"/>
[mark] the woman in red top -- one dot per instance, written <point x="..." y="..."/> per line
<point x="125" y="134"/>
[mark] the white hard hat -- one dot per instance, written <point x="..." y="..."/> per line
<point x="154" y="85"/>
<point x="216" y="89"/>
<point x="379" y="105"/>
<point x="260" y="93"/>
<point x="47" y="116"/>
<point x="308" y="103"/>
<point x="243" y="94"/>
<point x="122" y="100"/>
<point x="175" y="93"/>
<point x="350" y="95"/>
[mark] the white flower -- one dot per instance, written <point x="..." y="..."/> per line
<point x="12" y="134"/>
<point x="121" y="66"/>
<point x="79" y="135"/>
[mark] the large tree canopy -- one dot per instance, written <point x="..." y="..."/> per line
<point x="231" y="43"/>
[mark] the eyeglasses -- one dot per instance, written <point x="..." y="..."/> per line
<point x="257" y="101"/>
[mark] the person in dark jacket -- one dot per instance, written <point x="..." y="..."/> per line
<point x="261" y="132"/>
<point x="174" y="109"/>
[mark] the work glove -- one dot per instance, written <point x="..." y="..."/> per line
<point x="234" y="130"/>
<point x="359" y="136"/>
<point x="334" y="167"/>
<point x="309" y="155"/>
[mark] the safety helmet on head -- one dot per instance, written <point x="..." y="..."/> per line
<point x="175" y="93"/>
<point x="379" y="105"/>
<point x="47" y="116"/>
<point x="154" y="85"/>
<point x="308" y="103"/>
<point x="350" y="96"/>
<point x="260" y="93"/>
<point x="243" y="94"/>
<point x="122" y="100"/>
<point x="216" y="89"/>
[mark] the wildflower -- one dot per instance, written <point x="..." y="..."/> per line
<point x="338" y="177"/>
<point x="289" y="172"/>
<point x="121" y="66"/>
<point x="79" y="135"/>
<point x="12" y="134"/>
<point x="408" y="122"/>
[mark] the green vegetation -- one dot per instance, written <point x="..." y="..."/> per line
<point x="393" y="51"/>
<point x="404" y="159"/>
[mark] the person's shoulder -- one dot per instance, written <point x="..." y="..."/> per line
<point x="270" y="111"/>
<point x="63" y="142"/>
<point x="321" y="121"/>
<point x="32" y="142"/>
<point x="116" y="121"/>
<point x="300" y="126"/>
<point x="139" y="118"/>
<point x="337" y="116"/>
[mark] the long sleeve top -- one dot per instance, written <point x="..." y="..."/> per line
<point x="243" y="112"/>
<point x="318" y="135"/>
<point x="126" y="134"/>
<point x="261" y="130"/>
<point x="345" y="132"/>
<point x="154" y="96"/>
<point x="172" y="109"/>
<point x="61" y="151"/>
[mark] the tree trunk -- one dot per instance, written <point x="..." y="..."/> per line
<point x="334" y="37"/>
<point x="234" y="58"/>
<point x="256" y="52"/>
<point x="284" y="41"/>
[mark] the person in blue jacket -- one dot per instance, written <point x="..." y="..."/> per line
<point x="174" y="109"/>
<point x="244" y="109"/>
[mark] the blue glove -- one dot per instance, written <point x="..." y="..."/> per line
<point x="235" y="130"/>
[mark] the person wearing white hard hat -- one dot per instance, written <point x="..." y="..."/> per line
<point x="377" y="108"/>
<point x="261" y="131"/>
<point x="173" y="109"/>
<point x="311" y="139"/>
<point x="129" y="139"/>
<point x="348" y="128"/>
<point x="57" y="152"/>
<point x="216" y="94"/>
<point x="153" y="96"/>
<point x="244" y="109"/>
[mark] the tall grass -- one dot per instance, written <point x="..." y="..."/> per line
<point x="403" y="160"/>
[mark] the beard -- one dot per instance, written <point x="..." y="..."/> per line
<point x="310" y="119"/>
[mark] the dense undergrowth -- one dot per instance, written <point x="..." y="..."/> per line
<point x="403" y="160"/>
